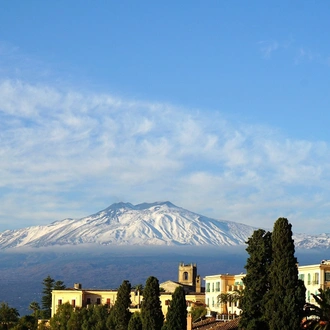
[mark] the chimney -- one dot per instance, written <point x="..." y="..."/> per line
<point x="189" y="321"/>
<point x="77" y="286"/>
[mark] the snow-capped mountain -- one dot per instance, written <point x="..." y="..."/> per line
<point x="125" y="224"/>
<point x="160" y="223"/>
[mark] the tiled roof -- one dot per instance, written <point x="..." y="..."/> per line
<point x="212" y="324"/>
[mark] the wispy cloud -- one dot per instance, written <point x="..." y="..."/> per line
<point x="268" y="47"/>
<point x="65" y="153"/>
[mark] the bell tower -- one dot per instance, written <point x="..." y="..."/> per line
<point x="188" y="275"/>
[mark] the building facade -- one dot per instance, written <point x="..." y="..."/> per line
<point x="223" y="284"/>
<point x="187" y="278"/>
<point x="315" y="277"/>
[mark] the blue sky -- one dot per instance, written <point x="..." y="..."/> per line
<point x="221" y="107"/>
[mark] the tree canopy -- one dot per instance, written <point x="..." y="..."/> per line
<point x="151" y="311"/>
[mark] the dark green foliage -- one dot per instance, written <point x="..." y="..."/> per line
<point x="35" y="307"/>
<point x="121" y="311"/>
<point x="286" y="295"/>
<point x="151" y="311"/>
<point x="8" y="316"/>
<point x="176" y="317"/>
<point x="111" y="323"/>
<point x="135" y="323"/>
<point x="27" y="322"/>
<point x="59" y="285"/>
<point x="256" y="281"/>
<point x="49" y="284"/>
<point x="138" y="287"/>
<point x="46" y="300"/>
<point x="318" y="315"/>
<point x="198" y="312"/>
<point x="60" y="320"/>
<point x="68" y="318"/>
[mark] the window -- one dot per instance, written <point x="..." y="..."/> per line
<point x="98" y="301"/>
<point x="327" y="276"/>
<point x="212" y="302"/>
<point x="308" y="296"/>
<point x="207" y="287"/>
<point x="208" y="301"/>
<point x="108" y="302"/>
<point x="59" y="302"/>
<point x="302" y="277"/>
<point x="309" y="278"/>
<point x="212" y="287"/>
<point x="217" y="287"/>
<point x="73" y="303"/>
<point x="88" y="301"/>
<point x="316" y="278"/>
<point x="185" y="276"/>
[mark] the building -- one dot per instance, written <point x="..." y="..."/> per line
<point x="216" y="285"/>
<point x="79" y="297"/>
<point x="315" y="277"/>
<point x="187" y="278"/>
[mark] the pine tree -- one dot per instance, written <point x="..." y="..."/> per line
<point x="256" y="281"/>
<point x="122" y="314"/>
<point x="59" y="285"/>
<point x="176" y="317"/>
<point x="46" y="299"/>
<point x="286" y="296"/>
<point x="151" y="310"/>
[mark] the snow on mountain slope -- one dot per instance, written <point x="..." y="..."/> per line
<point x="147" y="224"/>
<point x="126" y="224"/>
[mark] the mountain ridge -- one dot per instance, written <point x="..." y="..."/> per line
<point x="145" y="224"/>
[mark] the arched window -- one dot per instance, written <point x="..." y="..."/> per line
<point x="185" y="276"/>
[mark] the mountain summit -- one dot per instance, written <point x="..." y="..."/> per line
<point x="146" y="224"/>
<point x="160" y="223"/>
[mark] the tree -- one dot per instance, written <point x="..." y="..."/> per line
<point x="317" y="316"/>
<point x="46" y="300"/>
<point x="61" y="318"/>
<point x="285" y="299"/>
<point x="256" y="281"/>
<point x="198" y="312"/>
<point x="223" y="299"/>
<point x="8" y="316"/>
<point x="35" y="307"/>
<point x="135" y="323"/>
<point x="121" y="311"/>
<point x="59" y="285"/>
<point x="176" y="317"/>
<point x="151" y="310"/>
<point x="27" y="322"/>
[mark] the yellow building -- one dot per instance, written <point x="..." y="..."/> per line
<point x="215" y="285"/>
<point x="187" y="278"/>
<point x="315" y="277"/>
<point x="79" y="297"/>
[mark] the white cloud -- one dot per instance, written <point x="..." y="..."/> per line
<point x="268" y="47"/>
<point x="67" y="154"/>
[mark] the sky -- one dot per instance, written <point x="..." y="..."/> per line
<point x="221" y="107"/>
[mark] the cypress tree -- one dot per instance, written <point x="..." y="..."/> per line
<point x="256" y="281"/>
<point x="151" y="310"/>
<point x="121" y="311"/>
<point x="135" y="323"/>
<point x="176" y="317"/>
<point x="286" y="296"/>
